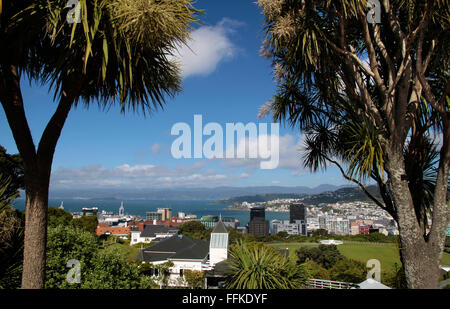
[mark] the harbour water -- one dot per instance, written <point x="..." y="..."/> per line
<point x="140" y="207"/>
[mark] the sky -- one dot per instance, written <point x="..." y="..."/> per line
<point x="225" y="81"/>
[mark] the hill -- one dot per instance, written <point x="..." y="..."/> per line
<point x="348" y="194"/>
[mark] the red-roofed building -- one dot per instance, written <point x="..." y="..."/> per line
<point x="118" y="231"/>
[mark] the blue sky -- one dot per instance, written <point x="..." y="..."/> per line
<point x="226" y="81"/>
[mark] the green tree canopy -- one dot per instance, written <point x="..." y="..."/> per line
<point x="347" y="270"/>
<point x="323" y="255"/>
<point x="98" y="269"/>
<point x="11" y="239"/>
<point x="11" y="166"/>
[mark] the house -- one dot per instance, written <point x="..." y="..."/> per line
<point x="152" y="233"/>
<point x="187" y="253"/>
<point x="119" y="231"/>
<point x="184" y="252"/>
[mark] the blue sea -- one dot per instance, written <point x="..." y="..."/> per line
<point x="140" y="207"/>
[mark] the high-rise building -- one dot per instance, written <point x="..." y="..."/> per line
<point x="257" y="213"/>
<point x="297" y="212"/>
<point x="166" y="214"/>
<point x="153" y="215"/>
<point x="296" y="228"/>
<point x="258" y="224"/>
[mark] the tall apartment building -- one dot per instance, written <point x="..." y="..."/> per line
<point x="296" y="228"/>
<point x="258" y="224"/>
<point x="297" y="212"/>
<point x="339" y="226"/>
<point x="166" y="214"/>
<point x="153" y="215"/>
<point x="297" y="215"/>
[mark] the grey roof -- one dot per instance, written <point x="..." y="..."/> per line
<point x="176" y="247"/>
<point x="152" y="230"/>
<point x="221" y="269"/>
<point x="220" y="228"/>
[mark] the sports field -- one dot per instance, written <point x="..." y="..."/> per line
<point x="387" y="254"/>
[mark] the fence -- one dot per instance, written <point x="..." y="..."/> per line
<point x="333" y="285"/>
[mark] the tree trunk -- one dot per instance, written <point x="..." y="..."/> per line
<point x="421" y="259"/>
<point x="33" y="275"/>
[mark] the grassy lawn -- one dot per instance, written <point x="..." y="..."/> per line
<point x="387" y="254"/>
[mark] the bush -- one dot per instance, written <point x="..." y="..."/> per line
<point x="98" y="269"/>
<point x="347" y="270"/>
<point x="325" y="256"/>
<point x="316" y="271"/>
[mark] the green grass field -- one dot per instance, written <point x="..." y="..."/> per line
<point x="387" y="254"/>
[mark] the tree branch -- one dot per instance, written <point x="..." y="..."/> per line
<point x="12" y="102"/>
<point x="363" y="188"/>
<point x="52" y="132"/>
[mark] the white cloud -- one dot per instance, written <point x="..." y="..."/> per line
<point x="136" y="176"/>
<point x="209" y="46"/>
<point x="290" y="153"/>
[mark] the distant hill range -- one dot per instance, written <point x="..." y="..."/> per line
<point x="347" y="194"/>
<point x="206" y="194"/>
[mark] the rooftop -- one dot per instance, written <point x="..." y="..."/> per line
<point x="177" y="247"/>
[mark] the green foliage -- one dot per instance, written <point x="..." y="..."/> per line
<point x="255" y="266"/>
<point x="65" y="243"/>
<point x="320" y="233"/>
<point x="192" y="227"/>
<point x="100" y="269"/>
<point x="119" y="51"/>
<point x="87" y="223"/>
<point x="316" y="271"/>
<point x="194" y="278"/>
<point x="347" y="270"/>
<point x="110" y="270"/>
<point x="195" y="229"/>
<point x="12" y="226"/>
<point x="57" y="216"/>
<point x="11" y="167"/>
<point x="396" y="278"/>
<point x="323" y="255"/>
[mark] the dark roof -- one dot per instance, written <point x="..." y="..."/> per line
<point x="152" y="230"/>
<point x="175" y="247"/>
<point x="220" y="228"/>
<point x="221" y="269"/>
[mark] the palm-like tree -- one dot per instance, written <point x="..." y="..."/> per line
<point x="370" y="96"/>
<point x="117" y="54"/>
<point x="262" y="267"/>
